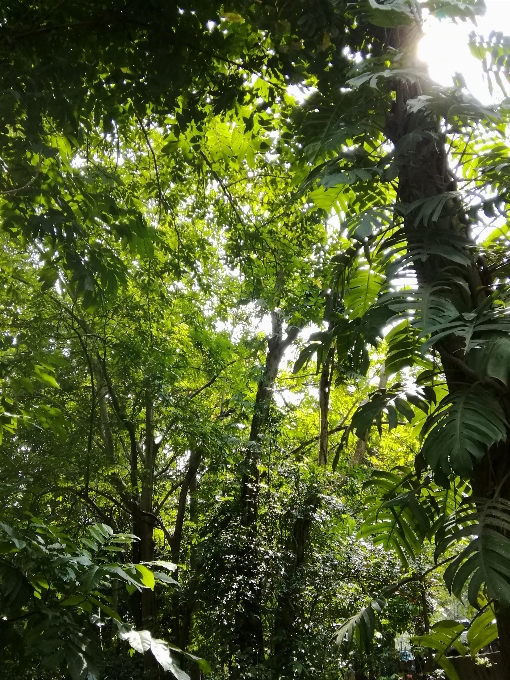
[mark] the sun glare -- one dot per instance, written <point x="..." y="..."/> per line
<point x="445" y="48"/>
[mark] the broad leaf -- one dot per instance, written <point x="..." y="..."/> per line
<point x="461" y="429"/>
<point x="485" y="561"/>
<point x="360" y="628"/>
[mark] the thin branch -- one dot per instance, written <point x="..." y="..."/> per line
<point x="415" y="577"/>
<point x="156" y="170"/>
<point x="223" y="187"/>
<point x="13" y="192"/>
<point x="312" y="440"/>
<point x="173" y="488"/>
<point x="166" y="467"/>
<point x="315" y="439"/>
<point x="89" y="501"/>
<point x="196" y="392"/>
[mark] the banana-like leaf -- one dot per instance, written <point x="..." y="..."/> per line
<point x="389" y="403"/>
<point x="394" y="517"/>
<point x="427" y="210"/>
<point x="447" y="634"/>
<point x="479" y="329"/>
<point x="429" y="306"/>
<point x="492" y="358"/>
<point x="485" y="561"/>
<point x="461" y="429"/>
<point x="395" y="529"/>
<point x="424" y="244"/>
<point x="360" y="628"/>
<point x="363" y="290"/>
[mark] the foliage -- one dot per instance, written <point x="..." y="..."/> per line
<point x="56" y="595"/>
<point x="164" y="199"/>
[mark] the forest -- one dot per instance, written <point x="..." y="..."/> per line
<point x="254" y="345"/>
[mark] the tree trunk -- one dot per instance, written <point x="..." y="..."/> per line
<point x="190" y="603"/>
<point x="362" y="442"/>
<point x="324" y="396"/>
<point x="183" y="603"/>
<point x="424" y="173"/>
<point x="248" y="636"/>
<point x="288" y="622"/>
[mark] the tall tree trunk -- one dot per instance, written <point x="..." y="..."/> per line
<point x="324" y="396"/>
<point x="249" y="638"/>
<point x="138" y="496"/>
<point x="289" y="615"/>
<point x="190" y="603"/>
<point x="424" y="173"/>
<point x="182" y="605"/>
<point x="361" y="444"/>
<point x="144" y="519"/>
<point x="288" y="618"/>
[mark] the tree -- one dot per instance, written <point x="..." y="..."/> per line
<point x="421" y="226"/>
<point x="149" y="207"/>
<point x="50" y="588"/>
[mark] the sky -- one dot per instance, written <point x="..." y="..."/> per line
<point x="445" y="48"/>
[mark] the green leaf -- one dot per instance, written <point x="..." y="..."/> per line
<point x="482" y="631"/>
<point x="360" y="628"/>
<point x="164" y="657"/>
<point x="443" y="635"/>
<point x="305" y="355"/>
<point x="164" y="578"/>
<point x="390" y="14"/>
<point x="140" y="640"/>
<point x="485" y="560"/>
<point x="15" y="587"/>
<point x="44" y="377"/>
<point x="146" y="576"/>
<point x="462" y="427"/>
<point x="166" y="565"/>
<point x="76" y="664"/>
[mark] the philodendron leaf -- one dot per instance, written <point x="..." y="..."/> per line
<point x="76" y="664"/>
<point x="164" y="657"/>
<point x="390" y="14"/>
<point x="142" y="640"/>
<point x="360" y="628"/>
<point x="482" y="631"/>
<point x="460" y="430"/>
<point x="146" y="576"/>
<point x="485" y="560"/>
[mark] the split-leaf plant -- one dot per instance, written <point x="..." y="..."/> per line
<point x="417" y="176"/>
